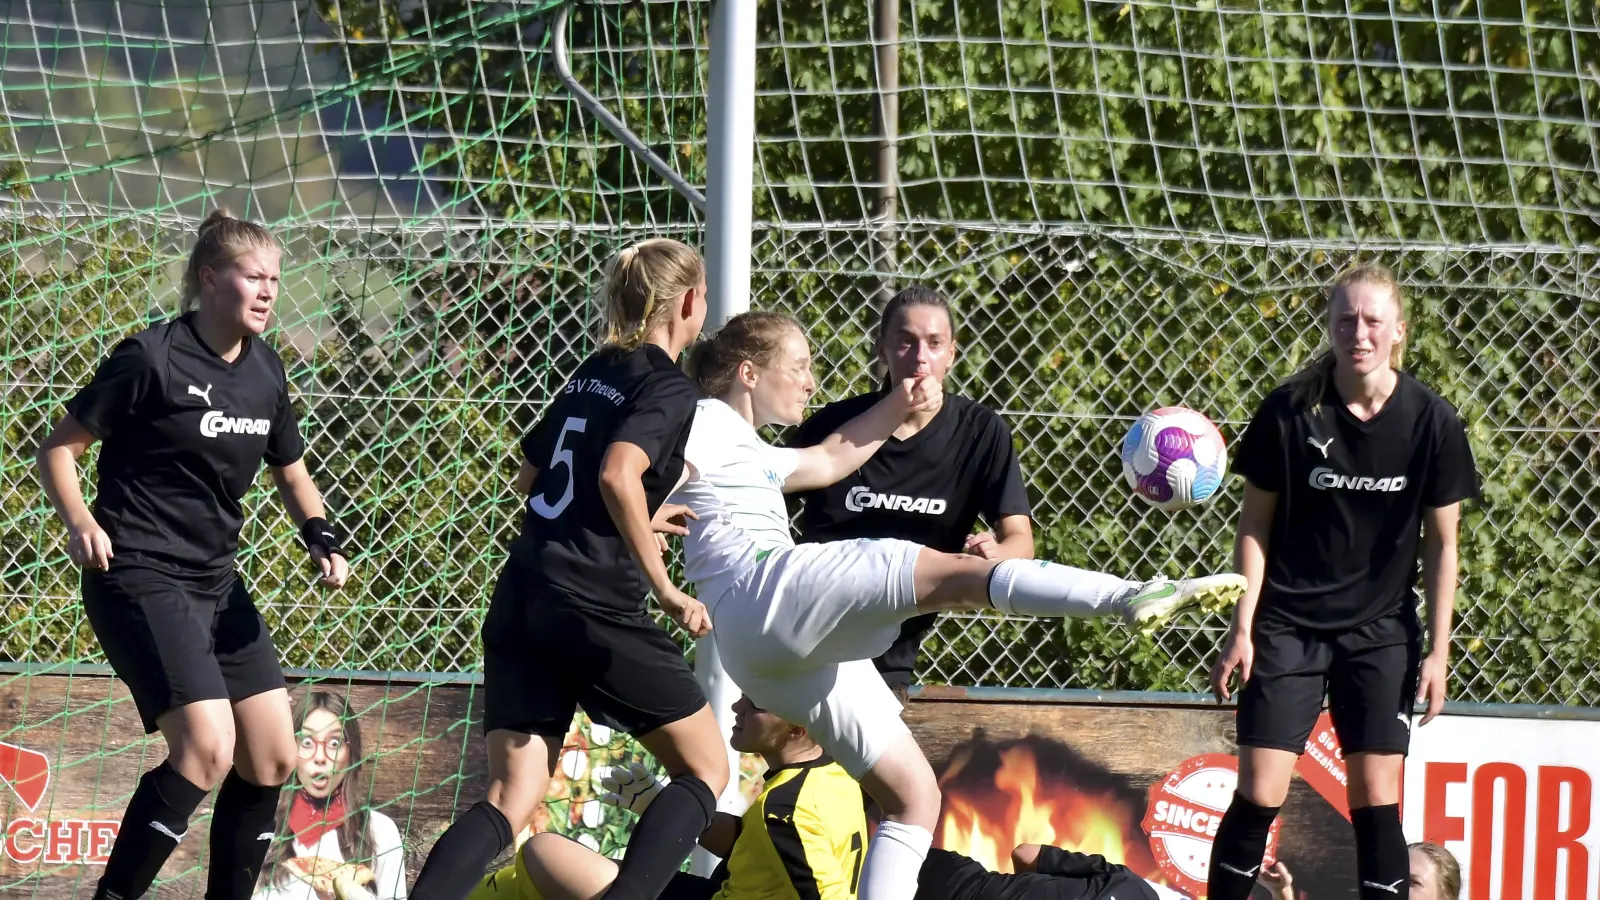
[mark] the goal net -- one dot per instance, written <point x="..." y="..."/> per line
<point x="1132" y="204"/>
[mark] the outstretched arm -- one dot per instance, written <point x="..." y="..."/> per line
<point x="1056" y="861"/>
<point x="844" y="451"/>
<point x="563" y="869"/>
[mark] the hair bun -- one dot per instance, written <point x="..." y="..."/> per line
<point x="217" y="217"/>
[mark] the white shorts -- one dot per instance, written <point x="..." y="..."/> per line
<point x="799" y="607"/>
<point x="845" y="707"/>
<point x="798" y="631"/>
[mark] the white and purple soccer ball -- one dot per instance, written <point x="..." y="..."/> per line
<point x="1174" y="458"/>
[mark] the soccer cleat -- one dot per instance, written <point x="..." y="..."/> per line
<point x="1159" y="599"/>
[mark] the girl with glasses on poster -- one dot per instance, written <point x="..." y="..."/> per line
<point x="332" y="844"/>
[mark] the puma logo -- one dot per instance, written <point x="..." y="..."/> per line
<point x="176" y="836"/>
<point x="1251" y="873"/>
<point x="1323" y="446"/>
<point x="264" y="836"/>
<point x="203" y="395"/>
<point x="1392" y="888"/>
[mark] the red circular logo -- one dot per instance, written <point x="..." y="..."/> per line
<point x="1185" y="809"/>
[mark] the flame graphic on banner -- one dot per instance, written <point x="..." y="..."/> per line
<point x="986" y="822"/>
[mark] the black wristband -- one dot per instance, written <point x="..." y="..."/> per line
<point x="321" y="533"/>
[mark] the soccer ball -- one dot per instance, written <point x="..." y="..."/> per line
<point x="1174" y="458"/>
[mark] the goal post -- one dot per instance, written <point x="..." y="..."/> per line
<point x="730" y="189"/>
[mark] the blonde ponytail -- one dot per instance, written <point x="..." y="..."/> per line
<point x="641" y="282"/>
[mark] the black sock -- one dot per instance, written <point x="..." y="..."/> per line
<point x="663" y="838"/>
<point x="242" y="826"/>
<point x="1238" y="849"/>
<point x="157" y="818"/>
<point x="458" y="859"/>
<point x="1382" y="861"/>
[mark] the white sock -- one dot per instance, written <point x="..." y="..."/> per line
<point x="1032" y="587"/>
<point x="894" y="860"/>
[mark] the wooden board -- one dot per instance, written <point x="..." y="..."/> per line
<point x="1092" y="769"/>
<point x="1117" y="753"/>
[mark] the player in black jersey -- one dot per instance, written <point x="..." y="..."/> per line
<point x="802" y="840"/>
<point x="567" y="624"/>
<point x="931" y="482"/>
<point x="1353" y="471"/>
<point x="185" y="413"/>
<point x="1042" y="873"/>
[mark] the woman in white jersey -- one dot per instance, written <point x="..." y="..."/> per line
<point x="797" y="627"/>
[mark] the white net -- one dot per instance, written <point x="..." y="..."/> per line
<point x="1131" y="204"/>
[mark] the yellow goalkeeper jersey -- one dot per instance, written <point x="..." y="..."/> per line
<point x="803" y="839"/>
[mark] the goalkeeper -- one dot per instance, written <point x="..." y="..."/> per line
<point x="802" y="839"/>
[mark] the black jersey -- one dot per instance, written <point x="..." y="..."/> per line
<point x="183" y="434"/>
<point x="930" y="488"/>
<point x="1347" y="530"/>
<point x="1060" y="875"/>
<point x="568" y="539"/>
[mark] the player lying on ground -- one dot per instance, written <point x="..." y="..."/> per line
<point x="1355" y="473"/>
<point x="797" y="627"/>
<point x="185" y="413"/>
<point x="567" y="624"/>
<point x="1435" y="875"/>
<point x="801" y="840"/>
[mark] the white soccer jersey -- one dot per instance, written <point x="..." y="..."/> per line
<point x="736" y="488"/>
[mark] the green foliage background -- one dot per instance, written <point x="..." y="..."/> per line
<point x="1132" y="204"/>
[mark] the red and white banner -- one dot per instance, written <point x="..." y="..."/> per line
<point x="1323" y="767"/>
<point x="1514" y="800"/>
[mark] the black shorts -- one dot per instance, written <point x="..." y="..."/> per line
<point x="544" y="656"/>
<point x="179" y="640"/>
<point x="684" y="886"/>
<point x="1369" y="675"/>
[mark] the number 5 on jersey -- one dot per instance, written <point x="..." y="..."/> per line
<point x="562" y="456"/>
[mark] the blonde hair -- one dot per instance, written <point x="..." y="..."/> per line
<point x="754" y="336"/>
<point x="1311" y="382"/>
<point x="1447" y="871"/>
<point x="641" y="282"/>
<point x="221" y="240"/>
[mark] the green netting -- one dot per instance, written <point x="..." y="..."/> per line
<point x="1133" y="203"/>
